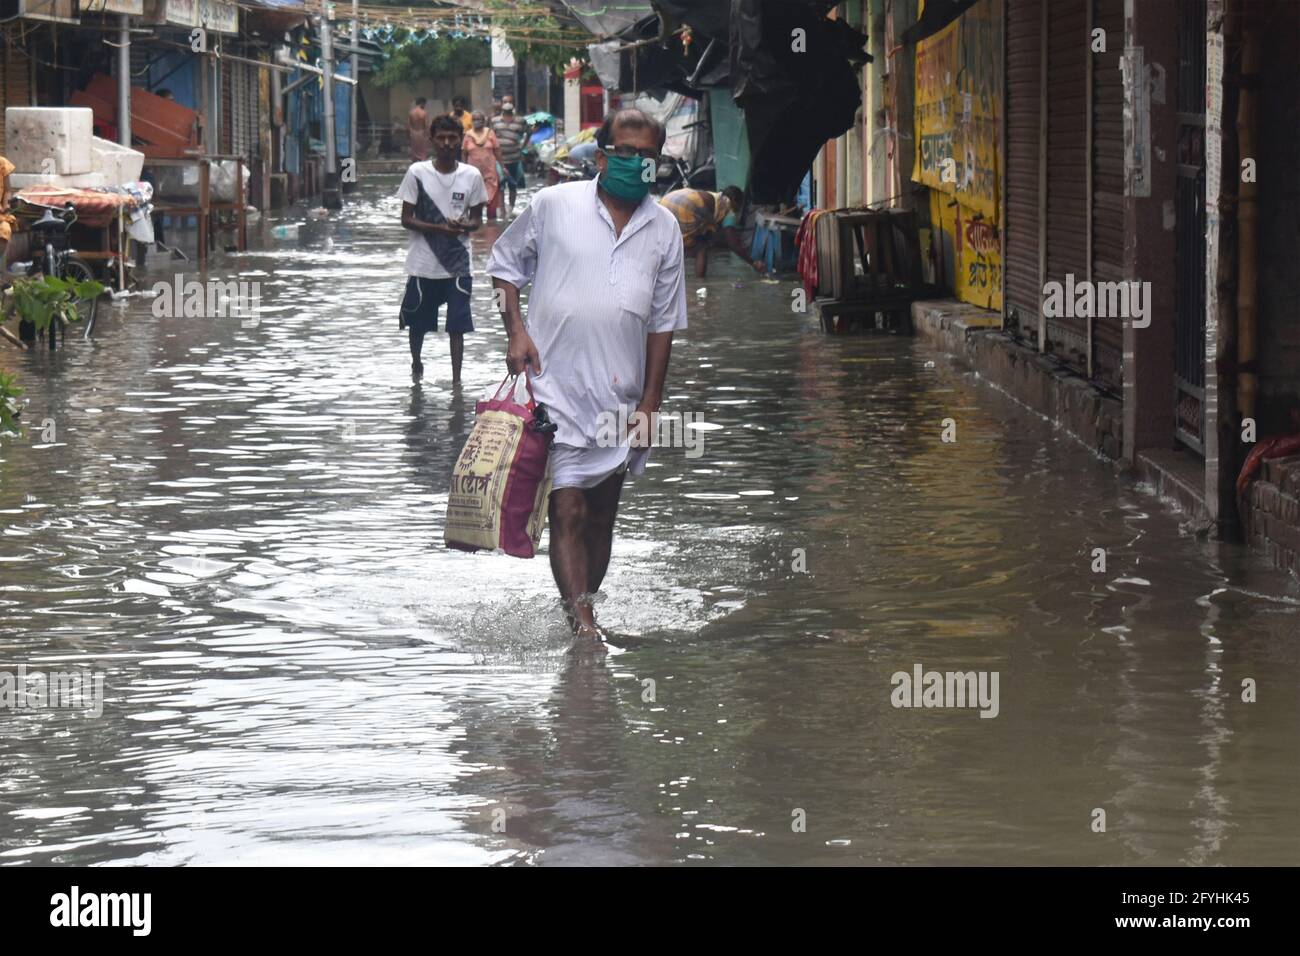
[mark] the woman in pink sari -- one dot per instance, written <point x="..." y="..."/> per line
<point x="482" y="151"/>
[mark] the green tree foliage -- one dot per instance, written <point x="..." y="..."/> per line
<point x="540" y="38"/>
<point x="9" y="392"/>
<point x="416" y="58"/>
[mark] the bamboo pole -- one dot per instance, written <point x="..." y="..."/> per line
<point x="1230" y="454"/>
<point x="10" y="337"/>
<point x="1247" y="224"/>
<point x="356" y="78"/>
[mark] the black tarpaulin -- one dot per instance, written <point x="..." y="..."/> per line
<point x="937" y="15"/>
<point x="798" y="90"/>
<point x="607" y="18"/>
<point x="795" y="95"/>
<point x="672" y="64"/>
<point x="708" y="19"/>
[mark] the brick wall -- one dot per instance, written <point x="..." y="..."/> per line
<point x="1272" y="515"/>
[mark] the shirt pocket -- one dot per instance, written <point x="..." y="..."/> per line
<point x="636" y="287"/>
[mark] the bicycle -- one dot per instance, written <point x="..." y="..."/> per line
<point x="58" y="259"/>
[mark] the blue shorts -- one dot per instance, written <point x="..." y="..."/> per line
<point x="424" y="297"/>
<point x="515" y="173"/>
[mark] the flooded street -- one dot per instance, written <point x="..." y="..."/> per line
<point x="242" y="528"/>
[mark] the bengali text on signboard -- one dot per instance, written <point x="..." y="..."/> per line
<point x="958" y="109"/>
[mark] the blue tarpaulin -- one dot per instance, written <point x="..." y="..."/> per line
<point x="730" y="140"/>
<point x="297" y="113"/>
<point x="304" y="116"/>
<point x="343" y="109"/>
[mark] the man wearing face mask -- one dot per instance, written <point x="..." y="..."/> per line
<point x="605" y="261"/>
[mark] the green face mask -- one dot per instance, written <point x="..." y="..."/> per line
<point x="623" y="179"/>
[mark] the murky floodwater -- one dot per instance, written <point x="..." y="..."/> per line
<point x="241" y="527"/>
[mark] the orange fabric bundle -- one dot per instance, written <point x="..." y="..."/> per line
<point x="7" y="221"/>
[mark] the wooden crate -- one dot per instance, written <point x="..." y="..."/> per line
<point x="839" y="316"/>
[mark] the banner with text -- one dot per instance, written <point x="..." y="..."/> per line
<point x="959" y="126"/>
<point x="959" y="109"/>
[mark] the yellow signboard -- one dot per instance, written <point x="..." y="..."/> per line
<point x="979" y="260"/>
<point x="959" y="137"/>
<point x="958" y="108"/>
<point x="972" y="241"/>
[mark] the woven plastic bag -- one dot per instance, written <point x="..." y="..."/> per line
<point x="502" y="479"/>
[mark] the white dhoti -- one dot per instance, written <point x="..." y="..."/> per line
<point x="575" y="467"/>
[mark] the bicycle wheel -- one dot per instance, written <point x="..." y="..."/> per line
<point x="75" y="270"/>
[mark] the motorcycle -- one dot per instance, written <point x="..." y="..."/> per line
<point x="675" y="173"/>
<point x="579" y="163"/>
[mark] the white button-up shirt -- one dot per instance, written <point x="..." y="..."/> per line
<point x="595" y="298"/>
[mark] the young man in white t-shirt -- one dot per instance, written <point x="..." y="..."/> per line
<point x="442" y="203"/>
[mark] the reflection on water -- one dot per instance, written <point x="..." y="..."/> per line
<point x="242" y="528"/>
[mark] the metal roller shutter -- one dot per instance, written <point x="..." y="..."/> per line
<point x="243" y="98"/>
<point x="1067" y="169"/>
<point x="238" y="140"/>
<point x="252" y="111"/>
<point x="227" y="108"/>
<point x="1108" y="185"/>
<point x="1065" y="190"/>
<point x="1023" y="285"/>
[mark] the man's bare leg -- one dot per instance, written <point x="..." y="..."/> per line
<point x="702" y="260"/>
<point x="457" y="353"/>
<point x="602" y="509"/>
<point x="569" y="563"/>
<point x="417" y="344"/>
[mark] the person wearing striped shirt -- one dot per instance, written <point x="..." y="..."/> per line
<point x="510" y="135"/>
<point x="608" y="292"/>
